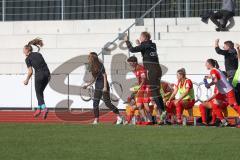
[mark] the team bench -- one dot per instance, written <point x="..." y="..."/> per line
<point x="195" y="113"/>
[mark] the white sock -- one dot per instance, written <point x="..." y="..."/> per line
<point x="223" y="121"/>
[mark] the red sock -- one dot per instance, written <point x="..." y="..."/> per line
<point x="203" y="113"/>
<point x="179" y="110"/>
<point x="169" y="116"/>
<point x="213" y="117"/>
<point x="217" y="111"/>
<point x="170" y="108"/>
<point x="129" y="118"/>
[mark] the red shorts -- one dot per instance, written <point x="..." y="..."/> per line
<point x="143" y="100"/>
<point x="143" y="95"/>
<point x="187" y="104"/>
<point x="231" y="98"/>
<point x="222" y="104"/>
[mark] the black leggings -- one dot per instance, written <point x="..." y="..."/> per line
<point x="154" y="80"/>
<point x="223" y="15"/>
<point x="41" y="81"/>
<point x="98" y="94"/>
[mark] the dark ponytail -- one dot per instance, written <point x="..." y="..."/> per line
<point x="213" y="62"/>
<point x="36" y="42"/>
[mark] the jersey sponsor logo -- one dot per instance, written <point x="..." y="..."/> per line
<point x="153" y="54"/>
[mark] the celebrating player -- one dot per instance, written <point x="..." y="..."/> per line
<point x="101" y="87"/>
<point x="187" y="98"/>
<point x="42" y="74"/>
<point x="230" y="62"/>
<point x="149" y="53"/>
<point x="223" y="86"/>
<point x="143" y="93"/>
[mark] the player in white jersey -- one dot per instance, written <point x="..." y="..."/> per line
<point x="221" y="81"/>
<point x="224" y="87"/>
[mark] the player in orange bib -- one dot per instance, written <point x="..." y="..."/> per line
<point x="186" y="98"/>
<point x="217" y="99"/>
<point x="223" y="86"/>
<point x="143" y="96"/>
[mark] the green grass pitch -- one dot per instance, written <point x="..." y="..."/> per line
<point x="109" y="142"/>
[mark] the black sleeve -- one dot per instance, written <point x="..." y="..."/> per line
<point x="134" y="49"/>
<point x="28" y="62"/>
<point x="220" y="51"/>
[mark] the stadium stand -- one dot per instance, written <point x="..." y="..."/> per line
<point x="187" y="37"/>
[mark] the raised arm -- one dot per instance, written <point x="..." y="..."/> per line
<point x="132" y="49"/>
<point x="218" y="49"/>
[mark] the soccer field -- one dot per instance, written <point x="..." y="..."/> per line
<point x="109" y="142"/>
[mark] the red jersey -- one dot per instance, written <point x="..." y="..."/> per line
<point x="143" y="95"/>
<point x="222" y="85"/>
<point x="140" y="73"/>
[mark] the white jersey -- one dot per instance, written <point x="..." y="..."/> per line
<point x="222" y="84"/>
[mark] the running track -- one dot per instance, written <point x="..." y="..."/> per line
<point x="55" y="117"/>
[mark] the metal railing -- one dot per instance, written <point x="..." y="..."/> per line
<point x="108" y="44"/>
<point x="16" y="10"/>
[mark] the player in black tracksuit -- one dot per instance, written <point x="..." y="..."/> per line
<point x="102" y="89"/>
<point x="148" y="50"/>
<point x="42" y="74"/>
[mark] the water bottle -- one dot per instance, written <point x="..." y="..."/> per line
<point x="205" y="83"/>
<point x="134" y="120"/>
<point x="184" y="123"/>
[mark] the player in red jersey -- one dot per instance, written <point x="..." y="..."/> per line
<point x="217" y="99"/>
<point x="223" y="86"/>
<point x="143" y="96"/>
<point x="186" y="98"/>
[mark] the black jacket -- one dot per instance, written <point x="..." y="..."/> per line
<point x="148" y="50"/>
<point x="230" y="58"/>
